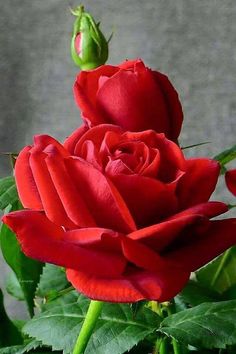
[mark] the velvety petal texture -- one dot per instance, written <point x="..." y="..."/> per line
<point x="45" y="241"/>
<point x="124" y="212"/>
<point x="131" y="96"/>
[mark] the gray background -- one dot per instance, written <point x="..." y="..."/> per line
<point x="193" y="41"/>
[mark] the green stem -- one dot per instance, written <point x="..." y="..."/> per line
<point x="176" y="347"/>
<point x="86" y="331"/>
<point x="161" y="346"/>
<point x="170" y="309"/>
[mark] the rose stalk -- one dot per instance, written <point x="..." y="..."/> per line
<point x="94" y="310"/>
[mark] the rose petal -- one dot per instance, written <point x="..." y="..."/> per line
<point x="26" y="186"/>
<point x="50" y="200"/>
<point x="172" y="160"/>
<point x="208" y="209"/>
<point x="148" y="200"/>
<point x="41" y="142"/>
<point x="85" y="90"/>
<point x="142" y="256"/>
<point x="198" y="183"/>
<point x="127" y="97"/>
<point x="134" y="286"/>
<point x="129" y="64"/>
<point x="71" y="199"/>
<point x="230" y="179"/>
<point x="161" y="235"/>
<point x="90" y="154"/>
<point x="220" y="235"/>
<point x="96" y="135"/>
<point x="73" y="139"/>
<point x="172" y="103"/>
<point x="115" y="167"/>
<point x="102" y="198"/>
<point x="43" y="240"/>
<point x="97" y="238"/>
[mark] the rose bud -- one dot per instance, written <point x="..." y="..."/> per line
<point x="89" y="47"/>
<point x="131" y="96"/>
<point x="126" y="213"/>
<point x="230" y="179"/>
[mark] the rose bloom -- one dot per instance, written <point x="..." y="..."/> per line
<point x="124" y="212"/>
<point x="230" y="179"/>
<point x="131" y="96"/>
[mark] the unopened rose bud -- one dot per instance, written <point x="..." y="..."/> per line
<point x="89" y="48"/>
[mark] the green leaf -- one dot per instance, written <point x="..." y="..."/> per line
<point x="219" y="275"/>
<point x="52" y="281"/>
<point x="9" y="334"/>
<point x="226" y="156"/>
<point x="116" y="330"/>
<point x="26" y="269"/>
<point x="8" y="192"/>
<point x="13" y="287"/>
<point x="209" y="325"/>
<point x="194" y="293"/>
<point x="16" y="349"/>
<point x="30" y="345"/>
<point x="21" y="349"/>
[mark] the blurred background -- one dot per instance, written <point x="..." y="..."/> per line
<point x="193" y="42"/>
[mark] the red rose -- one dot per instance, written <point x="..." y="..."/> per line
<point x="230" y="179"/>
<point x="125" y="213"/>
<point x="131" y="96"/>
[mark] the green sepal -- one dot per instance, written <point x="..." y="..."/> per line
<point x="94" y="46"/>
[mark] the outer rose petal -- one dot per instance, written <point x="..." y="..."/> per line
<point x="220" y="235"/>
<point x="127" y="97"/>
<point x="208" y="209"/>
<point x="26" y="186"/>
<point x="173" y="104"/>
<point x="43" y="240"/>
<point x="85" y="90"/>
<point x="41" y="142"/>
<point x="50" y="200"/>
<point x="134" y="286"/>
<point x="201" y="174"/>
<point x="230" y="179"/>
<point x="161" y="235"/>
<point x="70" y="197"/>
